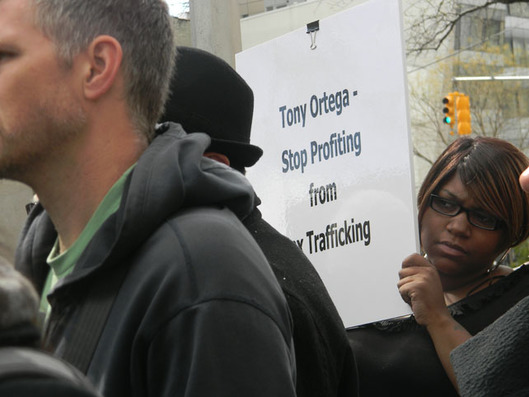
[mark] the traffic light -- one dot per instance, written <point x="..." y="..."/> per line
<point x="449" y="109"/>
<point x="464" y="126"/>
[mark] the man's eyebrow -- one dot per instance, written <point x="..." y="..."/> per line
<point x="7" y="42"/>
<point x="6" y="47"/>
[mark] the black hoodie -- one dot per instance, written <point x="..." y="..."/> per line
<point x="199" y="312"/>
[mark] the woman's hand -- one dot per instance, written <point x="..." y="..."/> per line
<point x="420" y="286"/>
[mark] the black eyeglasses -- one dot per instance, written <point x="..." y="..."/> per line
<point x="451" y="208"/>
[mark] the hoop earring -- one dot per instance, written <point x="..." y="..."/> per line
<point x="498" y="262"/>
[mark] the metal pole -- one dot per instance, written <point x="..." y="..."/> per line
<point x="215" y="27"/>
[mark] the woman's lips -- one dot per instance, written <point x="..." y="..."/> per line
<point x="450" y="249"/>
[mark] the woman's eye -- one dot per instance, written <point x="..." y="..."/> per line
<point x="484" y="218"/>
<point x="447" y="204"/>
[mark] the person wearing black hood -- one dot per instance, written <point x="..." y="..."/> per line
<point x="208" y="95"/>
<point x="149" y="282"/>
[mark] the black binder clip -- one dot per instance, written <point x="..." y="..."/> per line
<point x="312" y="28"/>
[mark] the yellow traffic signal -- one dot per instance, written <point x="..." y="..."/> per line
<point x="464" y="126"/>
<point x="449" y="109"/>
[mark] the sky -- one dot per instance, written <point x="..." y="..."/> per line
<point x="176" y="6"/>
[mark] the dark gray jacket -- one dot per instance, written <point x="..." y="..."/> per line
<point x="199" y="312"/>
<point x="494" y="361"/>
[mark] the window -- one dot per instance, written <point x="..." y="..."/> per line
<point x="483" y="26"/>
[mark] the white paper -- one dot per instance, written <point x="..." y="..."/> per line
<point x="336" y="175"/>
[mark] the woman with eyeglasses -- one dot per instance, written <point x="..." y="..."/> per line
<point x="472" y="210"/>
<point x="501" y="348"/>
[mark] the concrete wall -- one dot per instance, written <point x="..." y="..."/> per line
<point x="215" y="27"/>
<point x="182" y="31"/>
<point x="13" y="198"/>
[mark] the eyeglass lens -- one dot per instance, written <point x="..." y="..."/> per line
<point x="451" y="208"/>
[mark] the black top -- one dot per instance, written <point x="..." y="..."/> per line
<point x="399" y="354"/>
<point x="324" y="361"/>
<point x="26" y="371"/>
<point x="24" y="335"/>
<point x="199" y="312"/>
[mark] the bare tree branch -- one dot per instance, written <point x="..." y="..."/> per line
<point x="431" y="30"/>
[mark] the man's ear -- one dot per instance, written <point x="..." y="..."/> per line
<point x="104" y="56"/>
<point x="221" y="158"/>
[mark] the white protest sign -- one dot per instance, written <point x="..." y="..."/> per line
<point x="336" y="175"/>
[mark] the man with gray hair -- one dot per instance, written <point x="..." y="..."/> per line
<point x="149" y="282"/>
